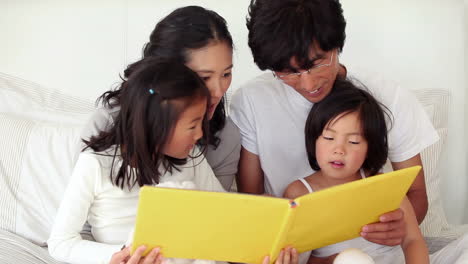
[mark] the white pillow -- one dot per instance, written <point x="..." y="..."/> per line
<point x="39" y="142"/>
<point x="28" y="99"/>
<point x="436" y="104"/>
<point x="435" y="219"/>
<point x="37" y="159"/>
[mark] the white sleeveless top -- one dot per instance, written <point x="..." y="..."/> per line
<point x="309" y="188"/>
<point x="379" y="253"/>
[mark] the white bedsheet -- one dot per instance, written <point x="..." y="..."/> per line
<point x="17" y="250"/>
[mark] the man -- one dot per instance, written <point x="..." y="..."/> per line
<point x="299" y="42"/>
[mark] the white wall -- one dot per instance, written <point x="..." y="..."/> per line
<point x="79" y="47"/>
<point x="75" y="46"/>
<point x="466" y="89"/>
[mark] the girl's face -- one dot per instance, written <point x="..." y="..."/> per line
<point x="342" y="149"/>
<point x="187" y="130"/>
<point x="213" y="63"/>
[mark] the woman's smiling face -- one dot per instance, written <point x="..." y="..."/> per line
<point x="213" y="63"/>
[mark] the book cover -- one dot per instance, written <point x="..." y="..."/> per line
<point x="245" y="228"/>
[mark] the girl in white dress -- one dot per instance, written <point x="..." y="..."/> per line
<point x="346" y="140"/>
<point x="153" y="139"/>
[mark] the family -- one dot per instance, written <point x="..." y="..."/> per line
<point x="307" y="123"/>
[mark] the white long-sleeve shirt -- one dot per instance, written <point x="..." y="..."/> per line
<point x="111" y="211"/>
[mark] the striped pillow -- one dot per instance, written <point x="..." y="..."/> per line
<point x="436" y="104"/>
<point x="36" y="160"/>
<point x="28" y="99"/>
<point x="39" y="135"/>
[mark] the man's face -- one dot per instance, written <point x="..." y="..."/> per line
<point x="314" y="83"/>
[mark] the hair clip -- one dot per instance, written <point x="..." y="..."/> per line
<point x="151" y="91"/>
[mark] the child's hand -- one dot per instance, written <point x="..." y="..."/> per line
<point x="123" y="256"/>
<point x="390" y="231"/>
<point x="287" y="256"/>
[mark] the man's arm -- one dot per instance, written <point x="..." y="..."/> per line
<point x="417" y="192"/>
<point x="250" y="174"/>
<point x="391" y="229"/>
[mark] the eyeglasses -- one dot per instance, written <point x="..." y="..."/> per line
<point x="294" y="76"/>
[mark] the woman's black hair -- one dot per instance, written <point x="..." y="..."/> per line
<point x="185" y="29"/>
<point x="282" y="29"/>
<point x="151" y="101"/>
<point x="346" y="98"/>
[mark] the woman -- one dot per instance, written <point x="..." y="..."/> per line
<point x="200" y="39"/>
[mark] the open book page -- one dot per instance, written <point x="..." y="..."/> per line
<point x="209" y="225"/>
<point x="245" y="228"/>
<point x="336" y="214"/>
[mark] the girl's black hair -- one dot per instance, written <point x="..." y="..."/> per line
<point x="282" y="29"/>
<point x="151" y="101"/>
<point x="185" y="29"/>
<point x="346" y="98"/>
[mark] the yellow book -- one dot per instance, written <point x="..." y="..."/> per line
<point x="245" y="228"/>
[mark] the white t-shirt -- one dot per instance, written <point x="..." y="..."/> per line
<point x="271" y="117"/>
<point x="111" y="211"/>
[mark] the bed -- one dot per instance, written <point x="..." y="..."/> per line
<point x="39" y="144"/>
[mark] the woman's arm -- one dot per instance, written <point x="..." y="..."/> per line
<point x="100" y="120"/>
<point x="413" y="245"/>
<point x="224" y="159"/>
